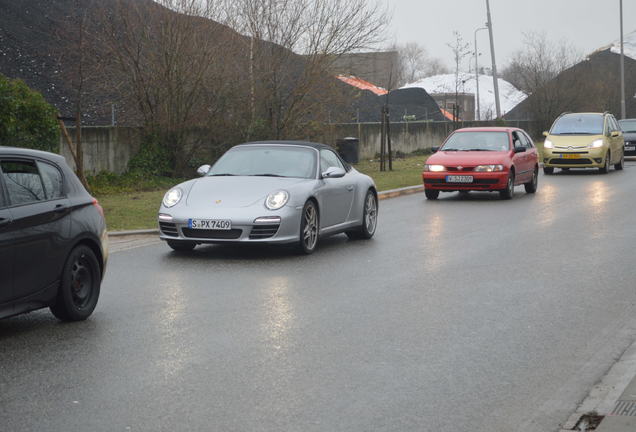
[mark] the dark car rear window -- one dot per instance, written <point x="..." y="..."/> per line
<point x="628" y="125"/>
<point x="23" y="182"/>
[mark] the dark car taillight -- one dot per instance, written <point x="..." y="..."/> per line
<point x="99" y="207"/>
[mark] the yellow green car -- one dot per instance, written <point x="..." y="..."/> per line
<point x="584" y="140"/>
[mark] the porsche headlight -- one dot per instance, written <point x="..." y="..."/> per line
<point x="489" y="168"/>
<point x="548" y="144"/>
<point x="597" y="144"/>
<point x="276" y="200"/>
<point x="172" y="197"/>
<point x="434" y="168"/>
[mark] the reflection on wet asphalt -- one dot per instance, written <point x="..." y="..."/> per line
<point x="467" y="313"/>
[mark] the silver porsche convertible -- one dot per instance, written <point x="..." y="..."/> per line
<point x="270" y="192"/>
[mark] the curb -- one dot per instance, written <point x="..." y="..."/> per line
<point x="393" y="193"/>
<point x="132" y="233"/>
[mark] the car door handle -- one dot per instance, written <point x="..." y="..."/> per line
<point x="349" y="188"/>
<point x="60" y="208"/>
<point x="4" y="222"/>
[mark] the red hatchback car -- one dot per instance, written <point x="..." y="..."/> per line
<point x="494" y="159"/>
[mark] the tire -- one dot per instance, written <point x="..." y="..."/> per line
<point x="369" y="219"/>
<point x="531" y="186"/>
<point x="619" y="166"/>
<point x="181" y="245"/>
<point x="431" y="194"/>
<point x="548" y="170"/>
<point x="309" y="228"/>
<point x="606" y="166"/>
<point x="509" y="191"/>
<point x="79" y="288"/>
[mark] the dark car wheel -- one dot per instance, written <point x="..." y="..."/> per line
<point x="620" y="164"/>
<point x="431" y="194"/>
<point x="509" y="191"/>
<point x="548" y="170"/>
<point x="606" y="165"/>
<point x="309" y="227"/>
<point x="78" y="293"/>
<point x="181" y="245"/>
<point x="531" y="186"/>
<point x="369" y="219"/>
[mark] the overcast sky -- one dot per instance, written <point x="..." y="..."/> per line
<point x="587" y="24"/>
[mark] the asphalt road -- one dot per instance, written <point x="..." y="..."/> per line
<point x="465" y="314"/>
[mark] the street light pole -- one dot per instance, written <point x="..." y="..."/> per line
<point x="494" y="62"/>
<point x="623" y="108"/>
<point x="477" y="72"/>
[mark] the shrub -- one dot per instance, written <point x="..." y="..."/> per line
<point x="26" y="119"/>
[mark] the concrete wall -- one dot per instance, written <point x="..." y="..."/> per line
<point x="408" y="137"/>
<point x="105" y="148"/>
<point x="111" y="148"/>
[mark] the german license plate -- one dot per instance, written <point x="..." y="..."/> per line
<point x="210" y="224"/>
<point x="570" y="156"/>
<point x="459" y="179"/>
<point x="630" y="148"/>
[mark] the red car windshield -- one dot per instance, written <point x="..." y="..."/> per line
<point x="477" y="141"/>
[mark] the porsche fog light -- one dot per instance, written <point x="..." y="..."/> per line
<point x="172" y="197"/>
<point x="276" y="200"/>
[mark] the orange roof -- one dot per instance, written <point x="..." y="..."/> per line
<point x="448" y="115"/>
<point x="362" y="84"/>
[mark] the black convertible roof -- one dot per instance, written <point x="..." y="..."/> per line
<point x="294" y="143"/>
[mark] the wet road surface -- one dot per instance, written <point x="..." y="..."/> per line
<point x="464" y="314"/>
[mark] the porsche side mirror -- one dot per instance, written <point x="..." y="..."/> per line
<point x="520" y="150"/>
<point x="203" y="170"/>
<point x="434" y="149"/>
<point x="546" y="133"/>
<point x="334" y="172"/>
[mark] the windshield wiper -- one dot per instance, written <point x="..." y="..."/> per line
<point x="266" y="175"/>
<point x="476" y="149"/>
<point x="450" y="149"/>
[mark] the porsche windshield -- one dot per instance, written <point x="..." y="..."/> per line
<point x="578" y="124"/>
<point x="477" y="141"/>
<point x="267" y="161"/>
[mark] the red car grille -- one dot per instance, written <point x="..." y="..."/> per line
<point x="459" y="168"/>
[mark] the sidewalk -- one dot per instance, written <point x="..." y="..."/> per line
<point x="623" y="416"/>
<point x="613" y="400"/>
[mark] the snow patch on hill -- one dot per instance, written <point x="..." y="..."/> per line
<point x="509" y="95"/>
<point x="629" y="45"/>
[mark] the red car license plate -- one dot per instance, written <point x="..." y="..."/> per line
<point x="459" y="179"/>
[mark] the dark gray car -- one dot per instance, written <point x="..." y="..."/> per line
<point x="628" y="126"/>
<point x="53" y="240"/>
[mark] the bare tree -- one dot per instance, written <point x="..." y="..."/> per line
<point x="460" y="52"/>
<point x="535" y="69"/>
<point x="173" y="60"/>
<point x="416" y="63"/>
<point x="289" y="75"/>
<point x="80" y="65"/>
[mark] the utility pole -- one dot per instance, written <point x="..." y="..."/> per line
<point x="623" y="108"/>
<point x="494" y="62"/>
<point x="477" y="72"/>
